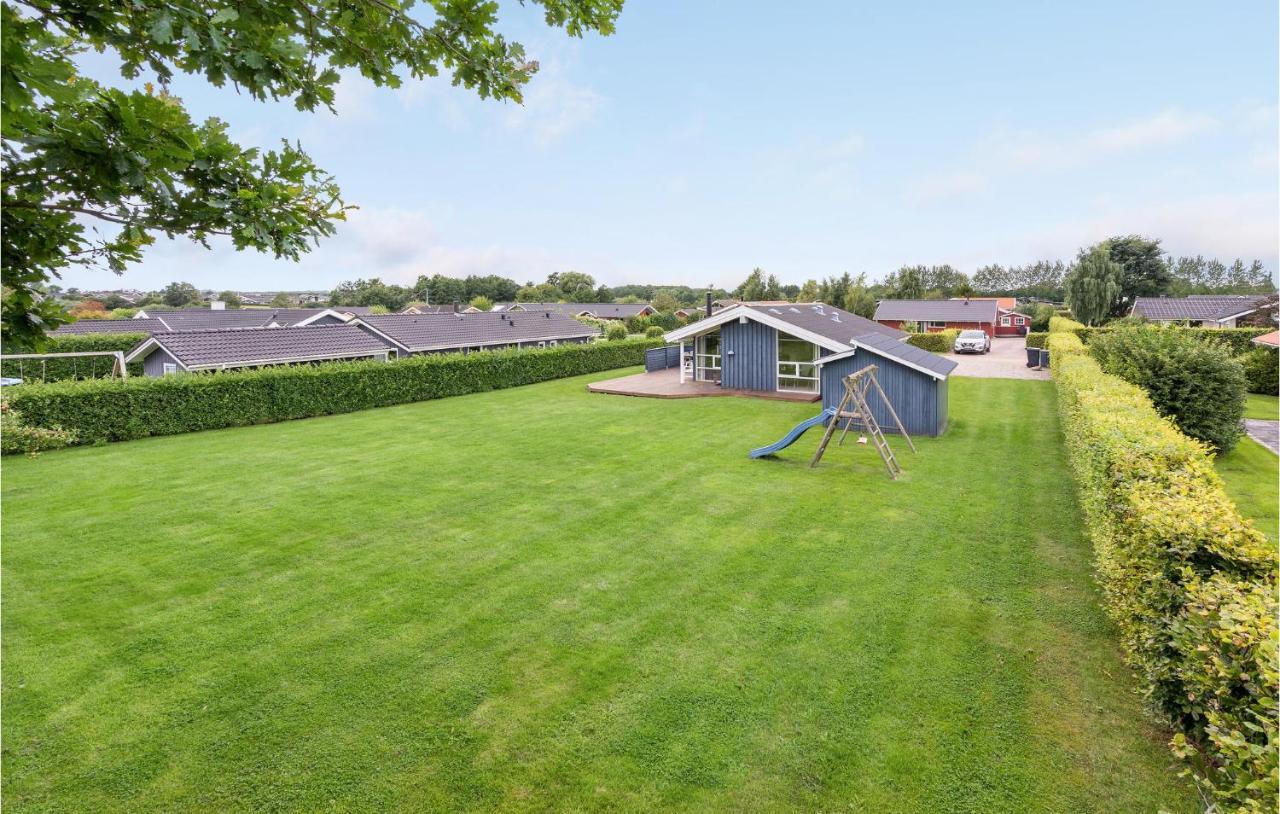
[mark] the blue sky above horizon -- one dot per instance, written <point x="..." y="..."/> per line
<point x="694" y="145"/>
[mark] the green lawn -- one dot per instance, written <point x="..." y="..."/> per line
<point x="1252" y="475"/>
<point x="544" y="599"/>
<point x="1260" y="406"/>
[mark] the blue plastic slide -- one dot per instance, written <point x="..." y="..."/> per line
<point x="796" y="431"/>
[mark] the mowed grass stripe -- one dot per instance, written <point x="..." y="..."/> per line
<point x="545" y="599"/>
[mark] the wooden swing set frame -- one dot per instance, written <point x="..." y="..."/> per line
<point x="118" y="366"/>
<point x="854" y="407"/>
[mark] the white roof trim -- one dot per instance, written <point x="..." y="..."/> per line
<point x="287" y="360"/>
<point x="146" y="346"/>
<point x="342" y="315"/>
<point x="877" y="352"/>
<point x="1241" y="314"/>
<point x="360" y="322"/>
<point x="734" y="311"/>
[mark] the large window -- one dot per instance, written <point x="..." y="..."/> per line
<point x="796" y="368"/>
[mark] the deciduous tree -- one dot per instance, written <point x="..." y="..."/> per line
<point x="1094" y="285"/>
<point x="133" y="162"/>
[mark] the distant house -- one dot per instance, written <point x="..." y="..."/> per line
<point x="1005" y="303"/>
<point x="419" y="308"/>
<point x="483" y="330"/>
<point x="809" y="348"/>
<point x="940" y="315"/>
<point x="205" y="319"/>
<point x="1204" y="310"/>
<point x="1271" y="340"/>
<point x="109" y="326"/>
<point x="222" y="349"/>
<point x="598" y="310"/>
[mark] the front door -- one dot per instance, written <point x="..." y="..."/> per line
<point x="707" y="358"/>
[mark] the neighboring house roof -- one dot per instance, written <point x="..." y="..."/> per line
<point x="422" y="332"/>
<point x="937" y="366"/>
<point x="937" y="310"/>
<point x="215" y="349"/>
<point x="206" y="319"/>
<point x="602" y="310"/>
<point x="828" y="327"/>
<point x="1196" y="308"/>
<point x="109" y="326"/>
<point x="1271" y="340"/>
<point x="1007" y="303"/>
<point x="826" y="320"/>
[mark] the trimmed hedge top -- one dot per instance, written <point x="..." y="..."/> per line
<point x="115" y="410"/>
<point x="1190" y="584"/>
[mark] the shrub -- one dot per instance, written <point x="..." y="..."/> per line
<point x="115" y="410"/>
<point x="1040" y="315"/>
<point x="1037" y="339"/>
<point x="616" y="331"/>
<point x="637" y="325"/>
<point x="938" y="342"/>
<point x="1059" y="324"/>
<point x="18" y="436"/>
<point x="1237" y="340"/>
<point x="1262" y="370"/>
<point x="653" y="332"/>
<point x="1197" y="384"/>
<point x="1189" y="584"/>
<point x="76" y="367"/>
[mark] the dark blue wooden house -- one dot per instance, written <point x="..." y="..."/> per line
<point x="809" y="348"/>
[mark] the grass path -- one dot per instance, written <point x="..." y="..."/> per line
<point x="1266" y="408"/>
<point x="543" y="599"/>
<point x="1251" y="473"/>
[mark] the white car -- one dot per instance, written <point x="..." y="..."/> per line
<point x="972" y="342"/>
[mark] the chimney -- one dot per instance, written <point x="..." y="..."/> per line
<point x="217" y="305"/>
<point x="455" y="306"/>
<point x="708" y="303"/>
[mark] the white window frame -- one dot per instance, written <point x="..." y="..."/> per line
<point x="779" y="375"/>
<point x="704" y="362"/>
<point x="551" y="343"/>
<point x="542" y="343"/>
<point x="1019" y="320"/>
<point x="168" y="368"/>
<point x="934" y="325"/>
<point x="1005" y="322"/>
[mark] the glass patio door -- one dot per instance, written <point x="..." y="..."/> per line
<point x="707" y="358"/>
<point x="796" y="369"/>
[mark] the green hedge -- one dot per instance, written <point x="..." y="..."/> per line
<point x="1038" y="339"/>
<point x="1190" y="585"/>
<point x="1239" y="341"/>
<point x="1060" y="323"/>
<point x="114" y="410"/>
<point x="1262" y="370"/>
<point x="936" y="342"/>
<point x="84" y="367"/>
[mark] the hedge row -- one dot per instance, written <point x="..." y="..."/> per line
<point x="1189" y="583"/>
<point x="115" y="410"/>
<point x="82" y="367"/>
<point x="936" y="342"/>
<point x="1038" y="339"/>
<point x="1239" y="341"/>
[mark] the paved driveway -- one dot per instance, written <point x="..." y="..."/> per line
<point x="1264" y="432"/>
<point x="1007" y="360"/>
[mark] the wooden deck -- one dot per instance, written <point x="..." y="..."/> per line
<point x="665" y="384"/>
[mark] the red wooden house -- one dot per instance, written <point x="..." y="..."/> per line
<point x="940" y="315"/>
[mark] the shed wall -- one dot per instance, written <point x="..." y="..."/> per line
<point x="919" y="399"/>
<point x="154" y="362"/>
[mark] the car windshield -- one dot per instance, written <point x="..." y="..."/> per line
<point x="972" y="334"/>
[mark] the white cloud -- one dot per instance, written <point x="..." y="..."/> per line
<point x="554" y="106"/>
<point x="1224" y="225"/>
<point x="946" y="186"/>
<point x="1035" y="151"/>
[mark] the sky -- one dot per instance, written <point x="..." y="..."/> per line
<point x="702" y="140"/>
